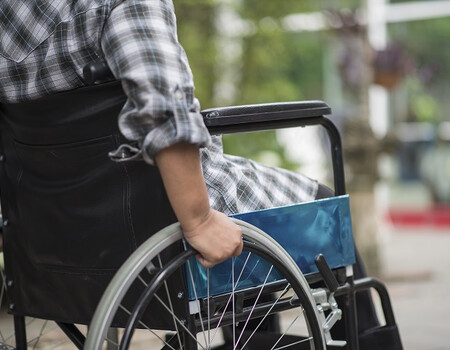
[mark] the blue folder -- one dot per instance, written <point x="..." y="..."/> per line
<point x="303" y="230"/>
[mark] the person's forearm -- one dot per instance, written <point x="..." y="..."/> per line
<point x="181" y="172"/>
<point x="211" y="233"/>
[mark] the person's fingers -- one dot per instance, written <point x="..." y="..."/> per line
<point x="238" y="250"/>
<point x="216" y="240"/>
<point x="205" y="263"/>
<point x="209" y="264"/>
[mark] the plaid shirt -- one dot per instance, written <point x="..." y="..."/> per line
<point x="44" y="45"/>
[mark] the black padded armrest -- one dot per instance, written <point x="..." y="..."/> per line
<point x="238" y="118"/>
<point x="263" y="116"/>
<point x="264" y="112"/>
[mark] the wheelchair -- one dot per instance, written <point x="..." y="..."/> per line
<point x="135" y="288"/>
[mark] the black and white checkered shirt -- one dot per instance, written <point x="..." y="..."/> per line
<point x="44" y="45"/>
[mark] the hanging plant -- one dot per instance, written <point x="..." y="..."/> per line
<point x="391" y="65"/>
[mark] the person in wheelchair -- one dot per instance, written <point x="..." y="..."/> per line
<point x="161" y="117"/>
<point x="44" y="47"/>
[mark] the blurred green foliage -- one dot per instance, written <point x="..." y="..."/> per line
<point x="258" y="9"/>
<point x="279" y="66"/>
<point x="276" y="65"/>
<point x="196" y="31"/>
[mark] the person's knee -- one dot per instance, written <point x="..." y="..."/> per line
<point x="324" y="192"/>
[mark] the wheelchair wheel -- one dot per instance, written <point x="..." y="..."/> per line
<point x="41" y="334"/>
<point x="260" y="300"/>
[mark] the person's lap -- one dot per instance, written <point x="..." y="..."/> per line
<point x="278" y="187"/>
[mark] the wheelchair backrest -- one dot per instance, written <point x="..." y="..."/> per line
<point x="72" y="216"/>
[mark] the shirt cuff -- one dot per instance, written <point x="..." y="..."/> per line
<point x="185" y="125"/>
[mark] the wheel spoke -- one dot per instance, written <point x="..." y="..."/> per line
<point x="171" y="306"/>
<point x="294" y="343"/>
<point x="284" y="333"/>
<point x="40" y="334"/>
<point x="229" y="298"/>
<point x="208" y="308"/>
<point x="267" y="314"/>
<point x="254" y="305"/>
<point x="178" y="320"/>
<point x="147" y="328"/>
<point x="113" y="342"/>
<point x="191" y="277"/>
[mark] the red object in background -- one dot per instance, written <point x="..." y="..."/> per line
<point x="438" y="217"/>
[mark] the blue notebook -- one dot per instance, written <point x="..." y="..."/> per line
<point x="303" y="230"/>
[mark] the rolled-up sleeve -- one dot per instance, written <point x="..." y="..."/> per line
<point x="140" y="45"/>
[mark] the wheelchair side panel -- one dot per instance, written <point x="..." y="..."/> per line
<point x="304" y="230"/>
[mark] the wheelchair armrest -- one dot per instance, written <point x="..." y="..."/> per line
<point x="268" y="116"/>
<point x="258" y="117"/>
<point x="265" y="116"/>
<point x="238" y="118"/>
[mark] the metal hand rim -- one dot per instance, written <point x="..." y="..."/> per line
<point x="140" y="258"/>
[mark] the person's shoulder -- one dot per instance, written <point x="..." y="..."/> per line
<point x="25" y="24"/>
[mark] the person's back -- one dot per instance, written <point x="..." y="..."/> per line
<point x="73" y="216"/>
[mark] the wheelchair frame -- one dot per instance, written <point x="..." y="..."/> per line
<point x="262" y="117"/>
<point x="265" y="117"/>
<point x="252" y="118"/>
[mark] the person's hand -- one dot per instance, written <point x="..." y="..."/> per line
<point x="216" y="239"/>
<point x="211" y="233"/>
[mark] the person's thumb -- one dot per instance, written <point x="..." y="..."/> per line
<point x="203" y="261"/>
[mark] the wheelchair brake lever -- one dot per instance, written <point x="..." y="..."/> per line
<point x="327" y="275"/>
<point x="326" y="301"/>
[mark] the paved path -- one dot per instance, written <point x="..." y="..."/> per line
<point x="417" y="272"/>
